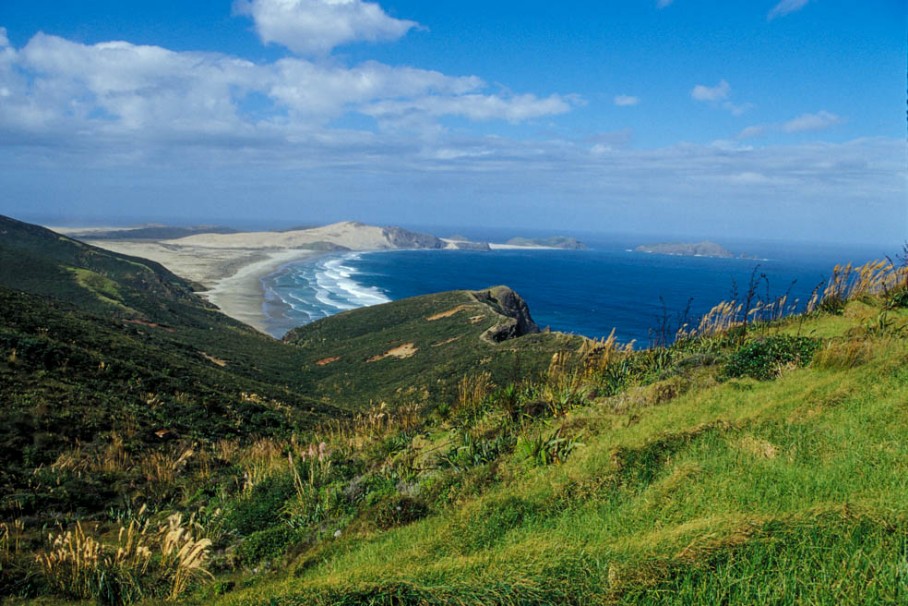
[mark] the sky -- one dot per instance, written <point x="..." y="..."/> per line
<point x="761" y="119"/>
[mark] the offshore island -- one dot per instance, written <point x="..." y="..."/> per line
<point x="690" y="249"/>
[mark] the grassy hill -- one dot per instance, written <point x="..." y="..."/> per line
<point x="411" y="349"/>
<point x="745" y="464"/>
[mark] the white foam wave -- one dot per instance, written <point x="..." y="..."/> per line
<point x="315" y="290"/>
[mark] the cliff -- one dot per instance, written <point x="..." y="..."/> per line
<point x="516" y="319"/>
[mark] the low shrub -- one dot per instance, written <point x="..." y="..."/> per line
<point x="399" y="511"/>
<point x="261" y="509"/>
<point x="266" y="544"/>
<point x="764" y="358"/>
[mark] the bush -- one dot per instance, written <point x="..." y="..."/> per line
<point x="266" y="544"/>
<point x="764" y="358"/>
<point x="144" y="563"/>
<point x="262" y="508"/>
<point x="399" y="511"/>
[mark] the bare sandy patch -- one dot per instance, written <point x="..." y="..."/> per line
<point x="445" y="342"/>
<point x="446" y="314"/>
<point x="214" y="360"/>
<point x="400" y="352"/>
<point x="326" y="361"/>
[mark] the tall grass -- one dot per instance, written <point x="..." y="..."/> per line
<point x="143" y="562"/>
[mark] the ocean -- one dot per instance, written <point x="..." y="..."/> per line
<point x="588" y="292"/>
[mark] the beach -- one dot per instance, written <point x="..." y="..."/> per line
<point x="230" y="278"/>
<point x="228" y="269"/>
<point x="241" y="296"/>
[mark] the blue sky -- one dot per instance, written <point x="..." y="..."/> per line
<point x="765" y="119"/>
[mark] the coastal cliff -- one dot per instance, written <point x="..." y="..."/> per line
<point x="514" y="310"/>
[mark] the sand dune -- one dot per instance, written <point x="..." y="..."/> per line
<point x="229" y="267"/>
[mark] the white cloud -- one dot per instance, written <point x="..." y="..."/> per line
<point x="811" y="122"/>
<point x="126" y="87"/>
<point x="717" y="96"/>
<point x="718" y="92"/>
<point x="786" y="7"/>
<point x="517" y="108"/>
<point x="315" y="27"/>
<point x="757" y="130"/>
<point x="66" y="91"/>
<point x="329" y="91"/>
<point x="626" y="100"/>
<point x="818" y="121"/>
<point x="4" y="39"/>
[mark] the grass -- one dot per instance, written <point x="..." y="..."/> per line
<point x="748" y="463"/>
<point x="349" y="357"/>
<point x="791" y="490"/>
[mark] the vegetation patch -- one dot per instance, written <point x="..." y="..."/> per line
<point x="766" y="358"/>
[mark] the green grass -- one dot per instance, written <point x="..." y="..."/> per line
<point x="343" y="354"/>
<point x="760" y="467"/>
<point x="791" y="491"/>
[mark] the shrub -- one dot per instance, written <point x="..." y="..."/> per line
<point x="399" y="511"/>
<point x="143" y="563"/>
<point x="764" y="358"/>
<point x="266" y="544"/>
<point x="262" y="508"/>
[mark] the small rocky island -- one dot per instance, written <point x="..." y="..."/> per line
<point x="553" y="242"/>
<point x="689" y="249"/>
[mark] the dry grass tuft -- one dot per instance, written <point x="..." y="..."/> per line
<point x="143" y="563"/>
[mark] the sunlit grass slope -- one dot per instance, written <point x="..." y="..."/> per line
<point x="689" y="487"/>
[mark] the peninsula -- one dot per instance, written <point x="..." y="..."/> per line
<point x="227" y="266"/>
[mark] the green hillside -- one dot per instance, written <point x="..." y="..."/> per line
<point x="167" y="453"/>
<point x="411" y="349"/>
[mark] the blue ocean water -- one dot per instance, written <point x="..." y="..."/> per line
<point x="587" y="292"/>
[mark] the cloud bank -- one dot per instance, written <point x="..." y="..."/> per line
<point x="53" y="87"/>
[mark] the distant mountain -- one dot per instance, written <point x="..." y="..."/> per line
<point x="687" y="249"/>
<point x="351" y="235"/>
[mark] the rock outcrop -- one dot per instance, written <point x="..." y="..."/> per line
<point x="402" y="238"/>
<point x="509" y="304"/>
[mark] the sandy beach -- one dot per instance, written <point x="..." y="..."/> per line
<point x="230" y="278"/>
<point x="241" y="295"/>
<point x="228" y="269"/>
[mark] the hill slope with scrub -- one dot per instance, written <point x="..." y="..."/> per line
<point x="750" y="462"/>
<point x="409" y="350"/>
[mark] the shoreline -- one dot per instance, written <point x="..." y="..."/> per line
<point x="241" y="295"/>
